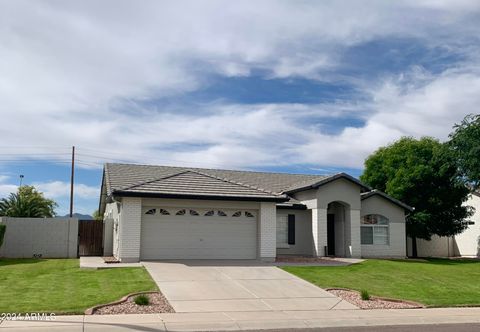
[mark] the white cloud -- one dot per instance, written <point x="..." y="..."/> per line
<point x="71" y="73"/>
<point x="7" y="189"/>
<point x="60" y="189"/>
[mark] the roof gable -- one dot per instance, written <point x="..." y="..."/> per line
<point x="315" y="183"/>
<point x="395" y="201"/>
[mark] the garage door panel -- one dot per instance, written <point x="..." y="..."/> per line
<point x="198" y="237"/>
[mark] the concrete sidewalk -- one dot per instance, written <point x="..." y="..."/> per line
<point x="231" y="321"/>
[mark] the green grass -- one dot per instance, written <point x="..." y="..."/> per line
<point x="434" y="282"/>
<point x="60" y="286"/>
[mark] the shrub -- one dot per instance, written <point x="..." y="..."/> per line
<point x="142" y="300"/>
<point x="2" y="233"/>
<point x="365" y="296"/>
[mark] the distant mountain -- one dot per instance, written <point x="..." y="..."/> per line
<point x="79" y="216"/>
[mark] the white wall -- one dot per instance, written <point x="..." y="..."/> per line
<point x="465" y="244"/>
<point x="397" y="234"/>
<point x="129" y="230"/>
<point x="303" y="233"/>
<point x="48" y="237"/>
<point x="111" y="219"/>
<point x="468" y="242"/>
<point x="129" y="227"/>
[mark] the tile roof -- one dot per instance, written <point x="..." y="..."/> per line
<point x="129" y="178"/>
<point x="192" y="182"/>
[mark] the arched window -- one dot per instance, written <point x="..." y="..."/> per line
<point x="374" y="229"/>
<point x="164" y="212"/>
<point x="237" y="214"/>
<point x="194" y="213"/>
<point x="221" y="213"/>
<point x="151" y="211"/>
<point x="180" y="212"/>
<point x="209" y="213"/>
<point x="249" y="214"/>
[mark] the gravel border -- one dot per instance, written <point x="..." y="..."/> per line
<point x="375" y="302"/>
<point x="126" y="305"/>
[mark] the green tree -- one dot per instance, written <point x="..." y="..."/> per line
<point x="423" y="174"/>
<point x="465" y="143"/>
<point x="27" y="202"/>
<point x="96" y="215"/>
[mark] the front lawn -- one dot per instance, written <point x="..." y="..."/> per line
<point x="60" y="286"/>
<point x="434" y="282"/>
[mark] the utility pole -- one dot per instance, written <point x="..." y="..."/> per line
<point x="71" y="181"/>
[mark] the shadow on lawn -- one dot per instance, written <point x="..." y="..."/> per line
<point x="16" y="261"/>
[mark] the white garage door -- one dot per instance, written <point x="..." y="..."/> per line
<point x="178" y="233"/>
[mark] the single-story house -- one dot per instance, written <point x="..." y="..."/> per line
<point x="465" y="244"/>
<point x="160" y="212"/>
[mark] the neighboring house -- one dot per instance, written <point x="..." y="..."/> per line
<point x="465" y="244"/>
<point x="159" y="212"/>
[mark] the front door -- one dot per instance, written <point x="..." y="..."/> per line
<point x="331" y="234"/>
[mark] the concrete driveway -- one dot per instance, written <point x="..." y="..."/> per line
<point x="242" y="286"/>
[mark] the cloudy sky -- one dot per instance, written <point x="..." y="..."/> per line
<point x="297" y="86"/>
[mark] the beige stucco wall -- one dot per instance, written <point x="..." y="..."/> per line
<point x="468" y="242"/>
<point x="317" y="200"/>
<point x="303" y="233"/>
<point x="42" y="237"/>
<point x="436" y="247"/>
<point x="397" y="234"/>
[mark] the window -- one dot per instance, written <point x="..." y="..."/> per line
<point x="249" y="214"/>
<point x="209" y="213"/>
<point x="221" y="213"/>
<point x="374" y="229"/>
<point x="194" y="213"/>
<point x="164" y="212"/>
<point x="237" y="214"/>
<point x="181" y="212"/>
<point x="151" y="211"/>
<point x="282" y="232"/>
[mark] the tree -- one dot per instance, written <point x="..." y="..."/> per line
<point x="96" y="215"/>
<point x="465" y="144"/>
<point x="423" y="174"/>
<point x="27" y="202"/>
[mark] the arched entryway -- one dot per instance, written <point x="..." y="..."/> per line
<point x="338" y="229"/>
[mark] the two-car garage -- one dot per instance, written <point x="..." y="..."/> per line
<point x="198" y="233"/>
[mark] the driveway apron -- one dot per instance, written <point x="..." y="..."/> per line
<point x="232" y="286"/>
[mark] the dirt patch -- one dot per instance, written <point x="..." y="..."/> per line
<point x="304" y="259"/>
<point x="110" y="260"/>
<point x="158" y="304"/>
<point x="375" y="302"/>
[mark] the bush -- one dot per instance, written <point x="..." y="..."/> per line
<point x="365" y="296"/>
<point x="142" y="300"/>
<point x="2" y="233"/>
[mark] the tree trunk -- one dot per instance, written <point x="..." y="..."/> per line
<point x="414" y="247"/>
